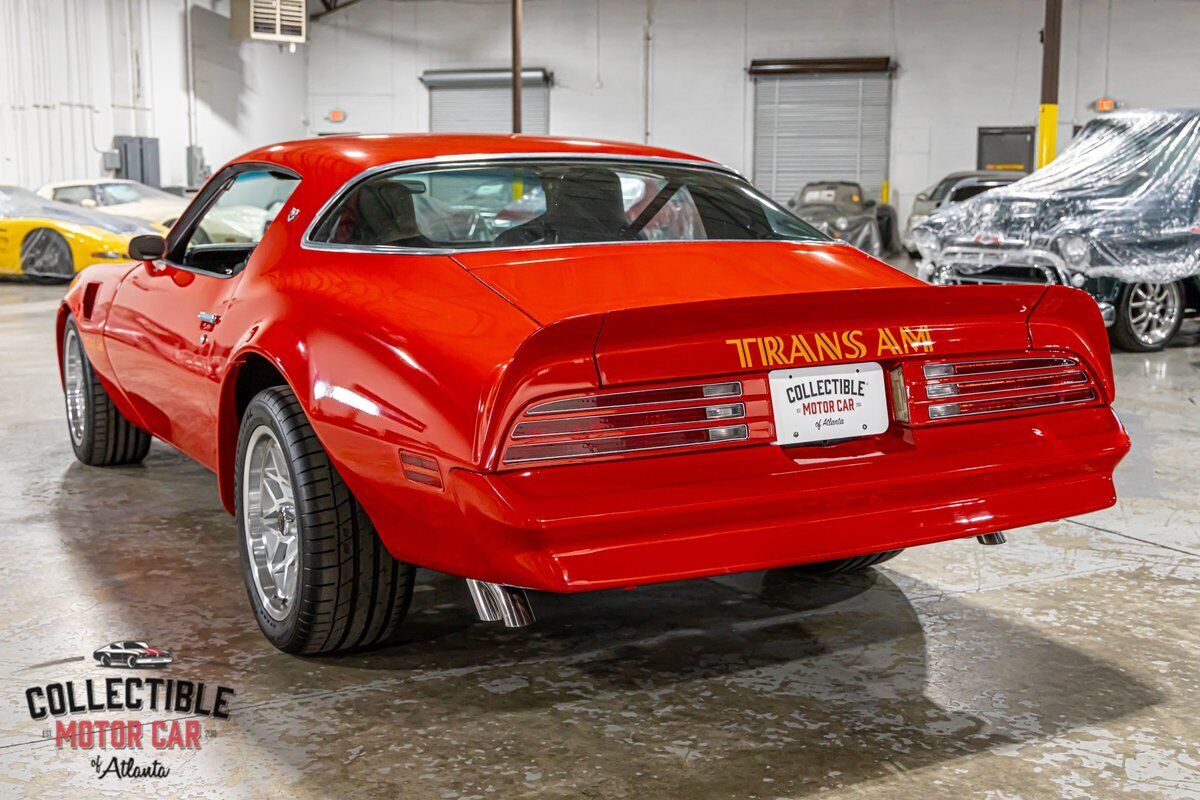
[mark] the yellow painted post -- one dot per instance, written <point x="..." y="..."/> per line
<point x="885" y="192"/>
<point x="1047" y="134"/>
<point x="1047" y="129"/>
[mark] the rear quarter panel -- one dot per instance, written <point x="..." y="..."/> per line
<point x="386" y="353"/>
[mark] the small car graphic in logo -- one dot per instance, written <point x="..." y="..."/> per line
<point x="132" y="654"/>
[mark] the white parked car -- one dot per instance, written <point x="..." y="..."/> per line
<point x="238" y="223"/>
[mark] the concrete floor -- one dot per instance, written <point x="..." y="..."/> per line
<point x="1065" y="664"/>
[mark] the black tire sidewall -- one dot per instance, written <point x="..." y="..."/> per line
<point x="283" y="632"/>
<point x="1123" y="335"/>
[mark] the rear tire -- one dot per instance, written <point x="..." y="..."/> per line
<point x="46" y="256"/>
<point x="100" y="434"/>
<point x="1148" y="316"/>
<point x="318" y="577"/>
<point x="841" y="565"/>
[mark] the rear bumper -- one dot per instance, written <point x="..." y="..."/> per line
<point x="616" y="524"/>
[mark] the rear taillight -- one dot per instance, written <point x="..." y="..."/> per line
<point x="933" y="392"/>
<point x="619" y="423"/>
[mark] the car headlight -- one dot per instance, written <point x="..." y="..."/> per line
<point x="1074" y="250"/>
<point x="841" y="223"/>
<point x="917" y="219"/>
<point x="927" y="242"/>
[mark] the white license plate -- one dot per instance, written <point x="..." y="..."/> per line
<point x="816" y="404"/>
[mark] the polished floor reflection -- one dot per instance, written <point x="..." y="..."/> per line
<point x="1064" y="664"/>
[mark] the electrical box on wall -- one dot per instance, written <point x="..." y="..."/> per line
<point x="138" y="159"/>
<point x="282" y="21"/>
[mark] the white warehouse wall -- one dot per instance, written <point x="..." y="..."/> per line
<point x="962" y="64"/>
<point x="74" y="73"/>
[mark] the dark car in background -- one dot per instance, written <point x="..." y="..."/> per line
<point x="1117" y="214"/>
<point x="954" y="188"/>
<point x="841" y="210"/>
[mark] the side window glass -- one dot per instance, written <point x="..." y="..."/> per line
<point x="234" y="224"/>
<point x="76" y="195"/>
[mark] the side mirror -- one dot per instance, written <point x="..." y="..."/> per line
<point x="147" y="247"/>
<point x="922" y="196"/>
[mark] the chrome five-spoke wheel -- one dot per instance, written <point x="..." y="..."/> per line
<point x="269" y="505"/>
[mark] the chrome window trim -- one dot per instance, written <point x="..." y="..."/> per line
<point x="467" y="159"/>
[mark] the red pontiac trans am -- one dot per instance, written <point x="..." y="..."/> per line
<point x="647" y="371"/>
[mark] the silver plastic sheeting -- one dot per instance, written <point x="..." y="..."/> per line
<point x="1121" y="201"/>
<point x="17" y="203"/>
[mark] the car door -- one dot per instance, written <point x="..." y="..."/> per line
<point x="163" y="330"/>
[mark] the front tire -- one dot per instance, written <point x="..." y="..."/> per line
<point x="105" y="661"/>
<point x="100" y="434"/>
<point x="842" y="565"/>
<point x="318" y="577"/>
<point x="46" y="256"/>
<point x="1148" y="316"/>
<point x="132" y="662"/>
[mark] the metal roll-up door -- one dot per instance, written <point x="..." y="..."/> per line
<point x="480" y="101"/>
<point x="821" y="127"/>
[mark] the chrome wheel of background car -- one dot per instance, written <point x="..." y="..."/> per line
<point x="75" y="384"/>
<point x="1154" y="311"/>
<point x="269" y="505"/>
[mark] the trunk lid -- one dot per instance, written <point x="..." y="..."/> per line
<point x="728" y="337"/>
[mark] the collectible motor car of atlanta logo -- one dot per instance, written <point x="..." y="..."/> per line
<point x="121" y="703"/>
<point x="132" y="654"/>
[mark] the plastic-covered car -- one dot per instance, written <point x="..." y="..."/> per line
<point x="839" y="209"/>
<point x="50" y="241"/>
<point x="1116" y="214"/>
<point x="954" y="188"/>
<point x="651" y="372"/>
<point x="236" y="222"/>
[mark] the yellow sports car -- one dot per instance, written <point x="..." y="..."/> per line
<point x="51" y="241"/>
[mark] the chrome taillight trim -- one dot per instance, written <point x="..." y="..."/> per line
<point x="965" y="387"/>
<point x="936" y="411"/>
<point x="737" y="411"/>
<point x="721" y="390"/>
<point x="737" y="433"/>
<point x="935" y="371"/>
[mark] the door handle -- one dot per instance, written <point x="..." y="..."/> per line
<point x="209" y="318"/>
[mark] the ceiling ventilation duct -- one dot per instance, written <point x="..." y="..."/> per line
<point x="283" y="21"/>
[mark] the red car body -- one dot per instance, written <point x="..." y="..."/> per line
<point x="414" y="368"/>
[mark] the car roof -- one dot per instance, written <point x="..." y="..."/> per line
<point x="85" y="182"/>
<point x="335" y="159"/>
<point x="986" y="173"/>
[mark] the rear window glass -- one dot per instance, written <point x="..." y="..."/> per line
<point x="534" y="202"/>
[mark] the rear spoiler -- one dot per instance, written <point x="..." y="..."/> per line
<point x="722" y="338"/>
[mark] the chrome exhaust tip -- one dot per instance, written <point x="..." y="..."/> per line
<point x="496" y="602"/>
<point x="992" y="538"/>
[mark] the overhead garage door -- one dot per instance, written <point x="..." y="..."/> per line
<point x="480" y="101"/>
<point x="815" y="127"/>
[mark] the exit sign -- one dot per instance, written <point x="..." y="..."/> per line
<point x="1104" y="104"/>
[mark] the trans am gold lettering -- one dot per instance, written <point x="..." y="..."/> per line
<point x="887" y="344"/>
<point x="801" y="350"/>
<point x="916" y="339"/>
<point x="829" y="346"/>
